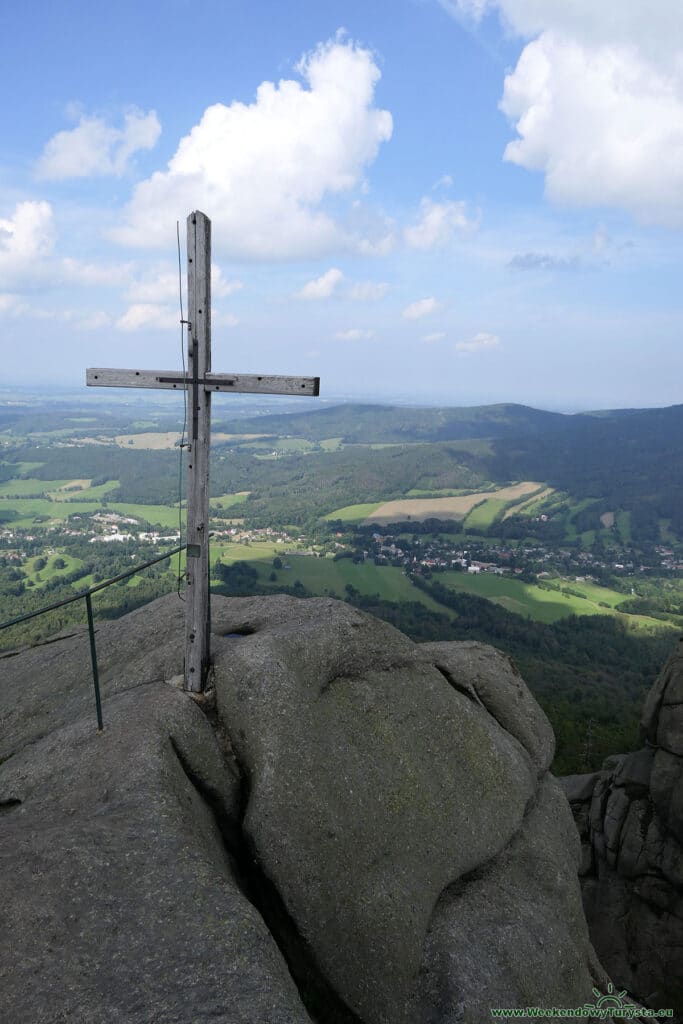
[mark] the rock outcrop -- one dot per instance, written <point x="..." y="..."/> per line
<point x="354" y="829"/>
<point x="630" y="820"/>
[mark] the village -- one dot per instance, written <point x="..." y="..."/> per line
<point x="422" y="555"/>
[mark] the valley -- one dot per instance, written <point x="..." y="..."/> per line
<point x="556" y="538"/>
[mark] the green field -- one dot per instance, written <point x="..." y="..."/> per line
<point x="281" y="445"/>
<point x="96" y="493"/>
<point x="252" y="552"/>
<point x="39" y="577"/>
<point x="228" y="500"/>
<point x="28" y="509"/>
<point x="65" y="503"/>
<point x="484" y="515"/>
<point x="354" y="513"/>
<point x="28" y="485"/>
<point x="545" y="602"/>
<point x="324" y="576"/>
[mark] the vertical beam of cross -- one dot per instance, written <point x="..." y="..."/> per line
<point x="197" y="610"/>
<point x="199" y="382"/>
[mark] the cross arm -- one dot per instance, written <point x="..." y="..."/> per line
<point x="242" y="382"/>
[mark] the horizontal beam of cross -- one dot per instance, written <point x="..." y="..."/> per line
<point x="245" y="383"/>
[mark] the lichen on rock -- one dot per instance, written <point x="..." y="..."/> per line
<point x="358" y="830"/>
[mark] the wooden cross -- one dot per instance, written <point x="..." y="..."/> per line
<point x="200" y="382"/>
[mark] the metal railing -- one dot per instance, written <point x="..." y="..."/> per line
<point x="86" y="595"/>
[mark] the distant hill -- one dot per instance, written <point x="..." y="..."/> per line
<point x="631" y="458"/>
<point x="398" y="424"/>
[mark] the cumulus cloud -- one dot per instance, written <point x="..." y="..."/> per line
<point x="355" y="334"/>
<point x="603" y="125"/>
<point x="262" y="171"/>
<point x="655" y="27"/>
<point x="149" y="315"/>
<point x="157" y="316"/>
<point x="322" y="287"/>
<point x="423" y="307"/>
<point x="95" y="147"/>
<point x="433" y="337"/>
<point x="478" y="343"/>
<point x="368" y="291"/>
<point x="25" y="237"/>
<point x="437" y="223"/>
<point x="161" y="285"/>
<point x="596" y="100"/>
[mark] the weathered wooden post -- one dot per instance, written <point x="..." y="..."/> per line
<point x="197" y="620"/>
<point x="200" y="382"/>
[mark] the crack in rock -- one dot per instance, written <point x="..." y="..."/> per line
<point x="319" y="998"/>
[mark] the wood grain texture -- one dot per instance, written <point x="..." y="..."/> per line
<point x="244" y="383"/>
<point x="197" y="624"/>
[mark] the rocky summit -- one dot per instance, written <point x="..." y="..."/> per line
<point x="630" y="818"/>
<point x="348" y="827"/>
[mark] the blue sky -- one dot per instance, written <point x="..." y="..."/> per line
<point x="457" y="201"/>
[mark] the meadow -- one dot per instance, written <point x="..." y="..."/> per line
<point x="439" y="504"/>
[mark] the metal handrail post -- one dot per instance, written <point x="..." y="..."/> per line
<point x="93" y="658"/>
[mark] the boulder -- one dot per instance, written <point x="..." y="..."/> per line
<point x="120" y="900"/>
<point x="51" y="684"/>
<point x="630" y="820"/>
<point x="493" y="679"/>
<point x="381" y="774"/>
<point x="349" y="829"/>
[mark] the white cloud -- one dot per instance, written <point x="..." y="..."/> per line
<point x="437" y="223"/>
<point x="7" y="302"/>
<point x="603" y="125"/>
<point x="478" y="343"/>
<point x="445" y="181"/>
<point x="161" y="285"/>
<point x="112" y="275"/>
<point x="368" y="291"/>
<point x="148" y="314"/>
<point x="355" y="334"/>
<point x="434" y="336"/>
<point x="467" y="10"/>
<point x="322" y="287"/>
<point x="25" y="238"/>
<point x="95" y="148"/>
<point x="597" y="100"/>
<point x="155" y="287"/>
<point x="654" y="27"/>
<point x="423" y="307"/>
<point x="74" y="317"/>
<point x="220" y="288"/>
<point x="262" y="171"/>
